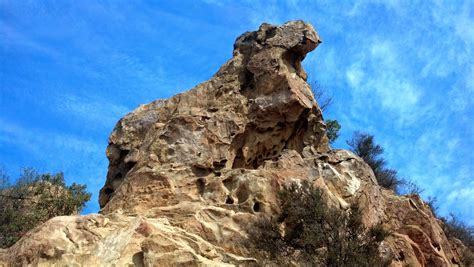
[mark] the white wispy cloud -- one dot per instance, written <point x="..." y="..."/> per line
<point x="378" y="72"/>
<point x="15" y="39"/>
<point x="38" y="141"/>
<point x="97" y="111"/>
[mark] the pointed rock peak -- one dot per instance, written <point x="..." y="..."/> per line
<point x="257" y="106"/>
<point x="290" y="42"/>
<point x="296" y="36"/>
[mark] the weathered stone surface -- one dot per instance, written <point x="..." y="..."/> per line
<point x="187" y="174"/>
<point x="115" y="240"/>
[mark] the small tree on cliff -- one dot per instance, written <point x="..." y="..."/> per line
<point x="332" y="130"/>
<point x="33" y="199"/>
<point x="363" y="145"/>
<point x="324" y="101"/>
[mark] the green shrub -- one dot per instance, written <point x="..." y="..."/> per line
<point x="363" y="145"/>
<point x="307" y="231"/>
<point x="33" y="199"/>
<point x="332" y="130"/>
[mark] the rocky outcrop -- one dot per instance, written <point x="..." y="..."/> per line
<point x="187" y="174"/>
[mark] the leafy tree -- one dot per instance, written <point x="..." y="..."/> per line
<point x="33" y="199"/>
<point x="363" y="145"/>
<point x="332" y="130"/>
<point x="307" y="231"/>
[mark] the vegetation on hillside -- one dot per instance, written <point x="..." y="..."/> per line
<point x="332" y="130"/>
<point x="308" y="231"/>
<point x="363" y="145"/>
<point x="33" y="199"/>
<point x="455" y="228"/>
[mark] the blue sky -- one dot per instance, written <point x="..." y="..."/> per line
<point x="401" y="70"/>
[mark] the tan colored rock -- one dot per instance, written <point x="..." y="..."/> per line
<point x="115" y="240"/>
<point x="257" y="105"/>
<point x="187" y="174"/>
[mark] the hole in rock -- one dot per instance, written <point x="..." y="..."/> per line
<point x="201" y="185"/>
<point x="401" y="256"/>
<point x="138" y="259"/>
<point x="270" y="32"/>
<point x="218" y="165"/>
<point x="255" y="163"/>
<point x="165" y="138"/>
<point x="200" y="171"/>
<point x="228" y="183"/>
<point x="238" y="160"/>
<point x="242" y="195"/>
<point x="264" y="130"/>
<point x="229" y="200"/>
<point x="280" y="124"/>
<point x="123" y="153"/>
<point x="324" y="158"/>
<point x="256" y="206"/>
<point x="454" y="261"/>
<point x="129" y="165"/>
<point x="118" y="176"/>
<point x="247" y="82"/>
<point x="108" y="191"/>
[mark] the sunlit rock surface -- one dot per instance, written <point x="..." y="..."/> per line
<point x="187" y="174"/>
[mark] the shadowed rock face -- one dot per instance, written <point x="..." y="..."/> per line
<point x="187" y="174"/>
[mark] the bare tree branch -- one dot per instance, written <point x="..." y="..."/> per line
<point x="322" y="96"/>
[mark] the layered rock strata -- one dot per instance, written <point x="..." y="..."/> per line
<point x="187" y="174"/>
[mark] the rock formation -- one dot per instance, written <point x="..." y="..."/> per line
<point x="187" y="174"/>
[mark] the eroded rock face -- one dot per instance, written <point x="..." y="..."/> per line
<point x="256" y="106"/>
<point x="187" y="174"/>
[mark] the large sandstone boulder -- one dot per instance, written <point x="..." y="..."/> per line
<point x="187" y="174"/>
